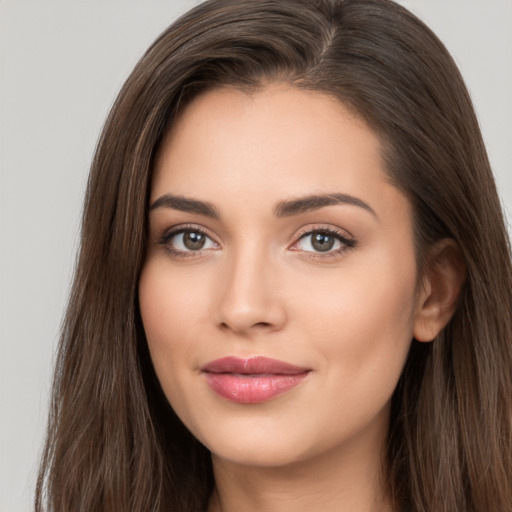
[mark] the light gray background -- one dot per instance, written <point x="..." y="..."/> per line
<point x="62" y="64"/>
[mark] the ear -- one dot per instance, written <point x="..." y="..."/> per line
<point x="443" y="280"/>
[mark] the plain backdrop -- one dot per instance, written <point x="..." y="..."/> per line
<point x="62" y="64"/>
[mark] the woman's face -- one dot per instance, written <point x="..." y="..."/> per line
<point x="279" y="292"/>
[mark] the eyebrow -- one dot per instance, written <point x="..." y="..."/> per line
<point x="314" y="202"/>
<point x="186" y="204"/>
<point x="282" y="209"/>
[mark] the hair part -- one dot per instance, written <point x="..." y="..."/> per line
<point x="114" y="442"/>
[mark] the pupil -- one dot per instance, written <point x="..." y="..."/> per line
<point x="322" y="242"/>
<point x="193" y="241"/>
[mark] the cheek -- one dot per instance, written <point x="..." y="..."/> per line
<point x="167" y="317"/>
<point x="363" y="315"/>
<point x="359" y="328"/>
<point x="170" y="298"/>
<point x="169" y="306"/>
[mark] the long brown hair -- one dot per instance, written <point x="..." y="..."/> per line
<point x="114" y="443"/>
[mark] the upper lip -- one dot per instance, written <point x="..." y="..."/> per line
<point x="252" y="366"/>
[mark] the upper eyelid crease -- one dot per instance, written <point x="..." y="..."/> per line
<point x="282" y="209"/>
<point x="348" y="241"/>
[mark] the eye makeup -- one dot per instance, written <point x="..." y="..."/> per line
<point x="325" y="239"/>
<point x="195" y="236"/>
<point x="321" y="242"/>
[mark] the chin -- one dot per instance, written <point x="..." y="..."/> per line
<point x="263" y="442"/>
<point x="279" y="440"/>
<point x="266" y="454"/>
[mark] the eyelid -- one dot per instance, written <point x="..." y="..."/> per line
<point x="344" y="237"/>
<point x="342" y="233"/>
<point x="173" y="231"/>
<point x="180" y="228"/>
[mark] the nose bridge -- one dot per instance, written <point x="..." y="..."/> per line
<point x="250" y="298"/>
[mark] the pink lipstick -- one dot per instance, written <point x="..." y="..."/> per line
<point x="253" y="380"/>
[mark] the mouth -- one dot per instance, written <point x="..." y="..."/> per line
<point x="254" y="380"/>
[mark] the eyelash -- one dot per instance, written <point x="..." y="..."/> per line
<point x="168" y="235"/>
<point x="347" y="243"/>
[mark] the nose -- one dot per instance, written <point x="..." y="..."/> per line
<point x="250" y="299"/>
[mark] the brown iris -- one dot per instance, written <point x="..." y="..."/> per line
<point x="322" y="242"/>
<point x="193" y="240"/>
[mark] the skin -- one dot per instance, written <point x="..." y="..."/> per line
<point x="259" y="287"/>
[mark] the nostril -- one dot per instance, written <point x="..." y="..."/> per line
<point x="257" y="315"/>
<point x="259" y="325"/>
<point x="262" y="324"/>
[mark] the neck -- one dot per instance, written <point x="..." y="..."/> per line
<point x="345" y="479"/>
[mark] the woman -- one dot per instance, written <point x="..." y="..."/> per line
<point x="294" y="283"/>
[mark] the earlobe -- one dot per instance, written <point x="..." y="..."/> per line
<point x="437" y="301"/>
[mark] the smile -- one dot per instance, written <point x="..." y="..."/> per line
<point x="254" y="380"/>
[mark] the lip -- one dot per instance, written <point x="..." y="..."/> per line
<point x="253" y="380"/>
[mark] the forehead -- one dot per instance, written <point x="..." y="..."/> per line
<point x="275" y="143"/>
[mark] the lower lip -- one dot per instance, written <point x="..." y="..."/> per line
<point x="252" y="389"/>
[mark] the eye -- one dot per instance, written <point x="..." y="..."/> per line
<point x="327" y="241"/>
<point x="186" y="241"/>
